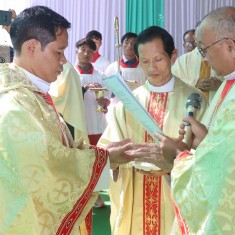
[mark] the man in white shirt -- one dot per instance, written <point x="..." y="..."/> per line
<point x="129" y="63"/>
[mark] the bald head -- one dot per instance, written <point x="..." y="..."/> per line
<point x="220" y="21"/>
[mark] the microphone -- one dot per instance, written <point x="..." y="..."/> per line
<point x="192" y="105"/>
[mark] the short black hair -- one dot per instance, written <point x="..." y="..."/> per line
<point x="93" y="34"/>
<point x="38" y="22"/>
<point x="86" y="41"/>
<point x="154" y="32"/>
<point x="127" y="36"/>
<point x="188" y="31"/>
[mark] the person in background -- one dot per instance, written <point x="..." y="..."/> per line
<point x="129" y="63"/>
<point x="96" y="120"/>
<point x="193" y="70"/>
<point x="141" y="203"/>
<point x="99" y="62"/>
<point x="189" y="40"/>
<point x="48" y="184"/>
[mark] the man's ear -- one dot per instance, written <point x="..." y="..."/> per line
<point x="32" y="46"/>
<point x="174" y="56"/>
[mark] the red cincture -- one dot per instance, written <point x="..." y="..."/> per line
<point x="152" y="185"/>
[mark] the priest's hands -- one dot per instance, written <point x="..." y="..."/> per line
<point x="199" y="131"/>
<point x="124" y="151"/>
<point x="92" y="85"/>
<point x="209" y="84"/>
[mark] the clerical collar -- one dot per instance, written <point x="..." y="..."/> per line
<point x="161" y="89"/>
<point x="230" y="76"/>
<point x="38" y="82"/>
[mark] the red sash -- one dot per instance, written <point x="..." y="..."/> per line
<point x="152" y="185"/>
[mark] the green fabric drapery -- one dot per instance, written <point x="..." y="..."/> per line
<point x="141" y="14"/>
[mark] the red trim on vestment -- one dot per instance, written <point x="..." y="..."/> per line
<point x="88" y="223"/>
<point x="123" y="65"/>
<point x="226" y="89"/>
<point x="181" y="222"/>
<point x="49" y="101"/>
<point x="82" y="71"/>
<point x="70" y="219"/>
<point x="152" y="185"/>
<point x="182" y="155"/>
<point x="95" y="57"/>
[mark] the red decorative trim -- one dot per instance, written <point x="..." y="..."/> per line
<point x="181" y="222"/>
<point x="88" y="222"/>
<point x="123" y="65"/>
<point x="95" y="57"/>
<point x="152" y="185"/>
<point x="82" y="71"/>
<point x="227" y="87"/>
<point x="49" y="101"/>
<point x="70" y="219"/>
<point x="181" y="156"/>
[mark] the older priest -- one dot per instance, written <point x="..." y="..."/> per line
<point x="144" y="205"/>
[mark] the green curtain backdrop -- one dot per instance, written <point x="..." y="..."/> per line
<point x="141" y="14"/>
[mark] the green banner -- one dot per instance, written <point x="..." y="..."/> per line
<point x="141" y="14"/>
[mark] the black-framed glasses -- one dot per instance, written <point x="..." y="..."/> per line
<point x="204" y="51"/>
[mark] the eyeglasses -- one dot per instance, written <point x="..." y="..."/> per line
<point x="203" y="52"/>
<point x="190" y="44"/>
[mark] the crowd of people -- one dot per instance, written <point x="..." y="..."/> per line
<point x="64" y="136"/>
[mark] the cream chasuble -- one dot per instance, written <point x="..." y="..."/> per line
<point x="141" y="205"/>
<point x="46" y="187"/>
<point x="188" y="68"/>
<point x="203" y="183"/>
<point x="66" y="92"/>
